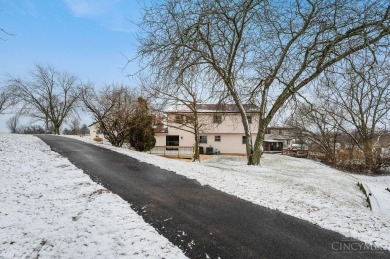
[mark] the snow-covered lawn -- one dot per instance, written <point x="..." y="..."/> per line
<point x="379" y="187"/>
<point x="299" y="187"/>
<point x="51" y="209"/>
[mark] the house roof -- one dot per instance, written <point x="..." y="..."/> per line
<point x="280" y="127"/>
<point x="212" y="108"/>
<point x="160" y="128"/>
<point x="276" y="138"/>
<point x="158" y="124"/>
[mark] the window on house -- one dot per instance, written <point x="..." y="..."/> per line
<point x="203" y="139"/>
<point x="249" y="118"/>
<point x="179" y="118"/>
<point x="217" y="119"/>
<point x="98" y="132"/>
<point x="280" y="132"/>
<point x="243" y="139"/>
<point x="217" y="138"/>
<point x="172" y="140"/>
<point x="267" y="131"/>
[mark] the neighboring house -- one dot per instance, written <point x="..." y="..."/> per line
<point x="221" y="131"/>
<point x="277" y="138"/>
<point x="94" y="131"/>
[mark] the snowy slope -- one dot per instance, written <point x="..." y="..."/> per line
<point x="379" y="187"/>
<point x="299" y="187"/>
<point x="51" y="209"/>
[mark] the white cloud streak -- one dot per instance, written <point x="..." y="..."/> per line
<point x="89" y="8"/>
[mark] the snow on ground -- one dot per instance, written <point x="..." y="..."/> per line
<point x="299" y="187"/>
<point x="379" y="186"/>
<point x="51" y="209"/>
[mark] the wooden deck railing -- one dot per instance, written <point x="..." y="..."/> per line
<point x="173" y="151"/>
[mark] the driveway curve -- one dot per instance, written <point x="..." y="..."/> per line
<point x="202" y="221"/>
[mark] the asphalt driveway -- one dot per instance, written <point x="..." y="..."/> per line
<point x="201" y="220"/>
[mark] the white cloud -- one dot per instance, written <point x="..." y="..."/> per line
<point x="118" y="22"/>
<point x="89" y="7"/>
<point x="110" y="14"/>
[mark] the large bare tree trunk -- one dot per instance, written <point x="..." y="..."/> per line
<point x="248" y="140"/>
<point x="57" y="129"/>
<point x="196" y="151"/>
<point x="258" y="148"/>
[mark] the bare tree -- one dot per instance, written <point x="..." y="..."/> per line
<point x="262" y="52"/>
<point x="75" y="125"/>
<point x="47" y="95"/>
<point x="6" y="100"/>
<point x="362" y="90"/>
<point x="182" y="94"/>
<point x="13" y="123"/>
<point x="352" y="101"/>
<point x="112" y="108"/>
<point x="3" y="100"/>
<point x="318" y="122"/>
<point x="32" y="129"/>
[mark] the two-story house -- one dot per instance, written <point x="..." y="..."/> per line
<point x="220" y="128"/>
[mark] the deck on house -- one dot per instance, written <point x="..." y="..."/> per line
<point x="173" y="151"/>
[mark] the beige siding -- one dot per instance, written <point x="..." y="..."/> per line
<point x="92" y="131"/>
<point x="231" y="123"/>
<point x="230" y="130"/>
<point x="229" y="144"/>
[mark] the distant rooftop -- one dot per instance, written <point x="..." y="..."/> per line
<point x="213" y="108"/>
<point x="160" y="128"/>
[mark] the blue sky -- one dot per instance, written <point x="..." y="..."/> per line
<point x="89" y="38"/>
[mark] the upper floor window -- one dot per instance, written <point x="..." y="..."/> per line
<point x="203" y="139"/>
<point x="243" y="139"/>
<point x="179" y="118"/>
<point x="249" y="118"/>
<point x="217" y="119"/>
<point x="217" y="138"/>
<point x="267" y="131"/>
